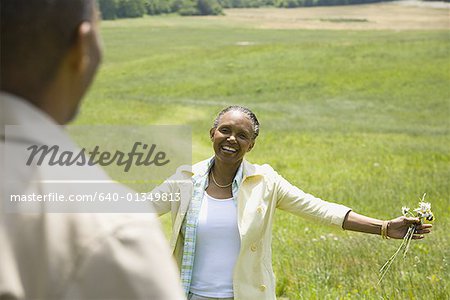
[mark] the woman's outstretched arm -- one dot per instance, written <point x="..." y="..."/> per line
<point x="396" y="228"/>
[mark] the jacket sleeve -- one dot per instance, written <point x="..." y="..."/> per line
<point x="294" y="200"/>
<point x="167" y="187"/>
<point x="171" y="188"/>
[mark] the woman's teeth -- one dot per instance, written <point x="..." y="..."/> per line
<point x="229" y="149"/>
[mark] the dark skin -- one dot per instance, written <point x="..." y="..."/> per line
<point x="61" y="96"/>
<point x="234" y="137"/>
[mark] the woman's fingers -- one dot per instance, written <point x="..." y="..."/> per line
<point x="424" y="226"/>
<point x="420" y="230"/>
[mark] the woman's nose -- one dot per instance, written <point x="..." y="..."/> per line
<point x="231" y="138"/>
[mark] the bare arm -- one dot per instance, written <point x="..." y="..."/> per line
<point x="397" y="227"/>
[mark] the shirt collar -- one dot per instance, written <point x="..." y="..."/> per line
<point x="30" y="123"/>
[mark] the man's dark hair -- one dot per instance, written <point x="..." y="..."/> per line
<point x="35" y="36"/>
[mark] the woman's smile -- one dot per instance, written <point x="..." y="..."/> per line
<point x="229" y="149"/>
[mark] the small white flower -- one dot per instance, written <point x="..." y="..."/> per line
<point x="419" y="213"/>
<point x="424" y="206"/>
<point x="405" y="210"/>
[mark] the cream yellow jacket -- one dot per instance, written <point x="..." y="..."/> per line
<point x="262" y="191"/>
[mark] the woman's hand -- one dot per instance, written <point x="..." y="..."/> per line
<point x="399" y="226"/>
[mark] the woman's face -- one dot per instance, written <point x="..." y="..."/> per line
<point x="233" y="137"/>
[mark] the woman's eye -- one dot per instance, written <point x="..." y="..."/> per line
<point x="224" y="130"/>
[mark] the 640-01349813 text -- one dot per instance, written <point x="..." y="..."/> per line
<point x="94" y="197"/>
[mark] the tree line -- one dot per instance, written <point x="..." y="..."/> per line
<point x="112" y="9"/>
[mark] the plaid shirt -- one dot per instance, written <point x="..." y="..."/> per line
<point x="200" y="183"/>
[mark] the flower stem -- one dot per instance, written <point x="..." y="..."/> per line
<point x="388" y="264"/>
<point x="408" y="238"/>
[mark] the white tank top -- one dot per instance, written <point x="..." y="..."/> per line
<point x="216" y="249"/>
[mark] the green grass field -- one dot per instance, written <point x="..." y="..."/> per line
<point x="355" y="117"/>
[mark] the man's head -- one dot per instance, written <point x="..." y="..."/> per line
<point x="50" y="51"/>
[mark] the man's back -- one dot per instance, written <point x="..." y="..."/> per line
<point x="76" y="255"/>
<point x="85" y="256"/>
<point x="50" y="51"/>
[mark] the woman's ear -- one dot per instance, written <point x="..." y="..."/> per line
<point x="251" y="146"/>
<point x="211" y="133"/>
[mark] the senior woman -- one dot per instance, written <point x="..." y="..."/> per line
<point x="221" y="227"/>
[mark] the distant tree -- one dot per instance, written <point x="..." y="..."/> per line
<point x="188" y="8"/>
<point x="200" y="7"/>
<point x="130" y="8"/>
<point x="209" y="7"/>
<point x="156" y="7"/>
<point x="287" y="3"/>
<point x="268" y="2"/>
<point x="226" y="3"/>
<point x="176" y="5"/>
<point x="108" y="9"/>
<point x="251" y="3"/>
<point x="237" y="3"/>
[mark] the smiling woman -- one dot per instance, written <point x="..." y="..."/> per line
<point x="222" y="225"/>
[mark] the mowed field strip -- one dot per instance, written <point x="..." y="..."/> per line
<point x="394" y="16"/>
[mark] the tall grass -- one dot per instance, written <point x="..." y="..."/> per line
<point x="360" y="118"/>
